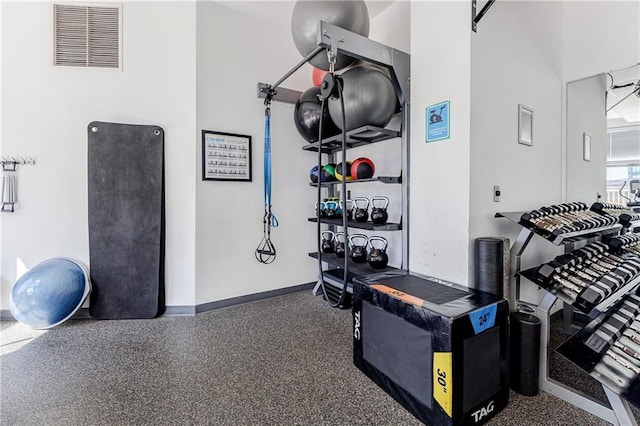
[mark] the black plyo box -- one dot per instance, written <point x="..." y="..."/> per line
<point x="438" y="349"/>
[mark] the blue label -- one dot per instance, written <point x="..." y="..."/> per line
<point x="438" y="122"/>
<point x="484" y="318"/>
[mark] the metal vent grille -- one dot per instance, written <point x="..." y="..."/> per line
<point x="86" y="36"/>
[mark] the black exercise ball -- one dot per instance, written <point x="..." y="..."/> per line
<point x="369" y="99"/>
<point x="306" y="116"/>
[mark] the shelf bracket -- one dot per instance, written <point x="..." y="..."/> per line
<point x="476" y="17"/>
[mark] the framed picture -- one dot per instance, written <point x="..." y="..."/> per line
<point x="586" y="146"/>
<point x="226" y="156"/>
<point x="525" y="125"/>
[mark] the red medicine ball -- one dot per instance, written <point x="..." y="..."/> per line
<point x="362" y="168"/>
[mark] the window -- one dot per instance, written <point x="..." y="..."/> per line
<point x="623" y="162"/>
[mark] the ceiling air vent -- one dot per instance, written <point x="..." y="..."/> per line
<point x="86" y="36"/>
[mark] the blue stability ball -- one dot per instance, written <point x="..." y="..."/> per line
<point x="49" y="293"/>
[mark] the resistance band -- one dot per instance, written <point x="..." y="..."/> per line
<point x="335" y="89"/>
<point x="266" y="251"/>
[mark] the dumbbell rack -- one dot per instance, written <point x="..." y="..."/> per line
<point x="399" y="66"/>
<point x="619" y="411"/>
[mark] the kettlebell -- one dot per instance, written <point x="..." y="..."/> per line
<point x="347" y="208"/>
<point x="358" y="253"/>
<point x="378" y="258"/>
<point x="379" y="215"/>
<point x="321" y="212"/>
<point x="328" y="238"/>
<point x="361" y="205"/>
<point x="331" y="210"/>
<point x="339" y="247"/>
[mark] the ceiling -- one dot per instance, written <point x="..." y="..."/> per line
<point x="279" y="12"/>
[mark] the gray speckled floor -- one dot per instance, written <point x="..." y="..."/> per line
<point x="286" y="360"/>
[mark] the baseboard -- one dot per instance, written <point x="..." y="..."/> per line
<point x="187" y="310"/>
<point x="226" y="303"/>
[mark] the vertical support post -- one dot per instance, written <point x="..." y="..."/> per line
<point x="521" y="243"/>
<point x="405" y="147"/>
<point x="620" y="408"/>
<point x="555" y="388"/>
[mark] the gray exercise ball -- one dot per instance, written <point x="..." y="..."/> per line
<point x="350" y="15"/>
<point x="369" y="99"/>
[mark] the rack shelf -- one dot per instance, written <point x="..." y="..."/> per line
<point x="357" y="137"/>
<point x="360" y="225"/>
<point x="618" y="410"/>
<point x="382" y="179"/>
<point x="357" y="269"/>
<point x="398" y="64"/>
<point x="567" y="237"/>
<point x="530" y="274"/>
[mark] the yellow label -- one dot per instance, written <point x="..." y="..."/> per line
<point x="443" y="381"/>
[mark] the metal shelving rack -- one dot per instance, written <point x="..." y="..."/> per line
<point x="619" y="411"/>
<point x="398" y="64"/>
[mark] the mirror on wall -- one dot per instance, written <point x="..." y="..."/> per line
<point x="603" y="137"/>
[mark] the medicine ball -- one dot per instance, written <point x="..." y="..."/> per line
<point x="313" y="174"/>
<point x="307" y="114"/>
<point x="317" y="75"/>
<point x="369" y="99"/>
<point x="329" y="173"/>
<point x="350" y="15"/>
<point x="339" y="173"/>
<point x="362" y="168"/>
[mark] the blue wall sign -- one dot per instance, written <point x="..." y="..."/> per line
<point x="438" y="122"/>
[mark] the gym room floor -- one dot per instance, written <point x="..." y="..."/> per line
<point x="285" y="360"/>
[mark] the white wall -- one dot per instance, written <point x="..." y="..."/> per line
<point x="440" y="171"/>
<point x="235" y="52"/>
<point x="515" y="60"/>
<point x="393" y="26"/>
<point x="586" y="114"/>
<point x="599" y="36"/>
<point x="45" y="112"/>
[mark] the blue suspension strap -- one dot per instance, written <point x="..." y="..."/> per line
<point x="266" y="251"/>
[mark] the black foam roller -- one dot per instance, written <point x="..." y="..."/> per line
<point x="489" y="261"/>
<point x="524" y="353"/>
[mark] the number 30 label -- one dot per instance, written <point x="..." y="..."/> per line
<point x="442" y="384"/>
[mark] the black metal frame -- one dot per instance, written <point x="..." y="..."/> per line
<point x="475" y="18"/>
<point x="398" y="63"/>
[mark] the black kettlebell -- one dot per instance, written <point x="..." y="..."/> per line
<point x="358" y="253"/>
<point x="321" y="211"/>
<point x="379" y="215"/>
<point x="361" y="205"/>
<point x="347" y="208"/>
<point x="339" y="247"/>
<point x="331" y="209"/>
<point x="378" y="258"/>
<point x="328" y="238"/>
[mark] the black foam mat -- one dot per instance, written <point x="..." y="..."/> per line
<point x="126" y="220"/>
